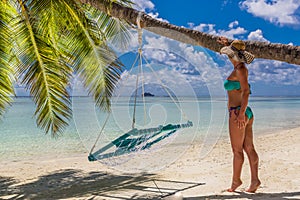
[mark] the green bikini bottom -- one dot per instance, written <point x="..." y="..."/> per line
<point x="248" y="112"/>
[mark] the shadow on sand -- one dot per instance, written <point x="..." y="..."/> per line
<point x="71" y="183"/>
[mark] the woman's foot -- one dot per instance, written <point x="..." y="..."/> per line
<point x="234" y="185"/>
<point x="254" y="186"/>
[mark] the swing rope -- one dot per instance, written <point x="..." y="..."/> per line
<point x="141" y="56"/>
<point x="106" y="120"/>
<point x="138" y="57"/>
<point x="140" y="71"/>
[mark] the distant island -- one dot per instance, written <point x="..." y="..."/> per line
<point x="148" y="94"/>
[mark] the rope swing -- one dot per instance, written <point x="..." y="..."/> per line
<point x="138" y="139"/>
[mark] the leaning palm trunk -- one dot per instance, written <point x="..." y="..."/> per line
<point x="265" y="50"/>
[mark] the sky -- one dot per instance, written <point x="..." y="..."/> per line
<point x="185" y="66"/>
<point x="192" y="70"/>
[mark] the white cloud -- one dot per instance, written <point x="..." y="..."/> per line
<point x="233" y="24"/>
<point x="147" y="5"/>
<point x="155" y="15"/>
<point x="280" y="12"/>
<point x="156" y="42"/>
<point x="257" y="36"/>
<point x="233" y="32"/>
<point x="271" y="72"/>
<point x="208" y="28"/>
<point x="143" y="5"/>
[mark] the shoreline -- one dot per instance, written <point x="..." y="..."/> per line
<point x="71" y="176"/>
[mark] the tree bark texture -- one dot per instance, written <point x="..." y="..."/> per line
<point x="264" y="50"/>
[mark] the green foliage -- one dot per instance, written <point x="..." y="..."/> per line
<point x="53" y="40"/>
<point x="6" y="70"/>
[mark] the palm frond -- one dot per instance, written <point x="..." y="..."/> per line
<point x="115" y="31"/>
<point x="6" y="70"/>
<point x="42" y="71"/>
<point x="92" y="59"/>
<point x="103" y="85"/>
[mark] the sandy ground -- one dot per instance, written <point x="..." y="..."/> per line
<point x="73" y="177"/>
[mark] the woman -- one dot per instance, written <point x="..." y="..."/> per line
<point x="240" y="115"/>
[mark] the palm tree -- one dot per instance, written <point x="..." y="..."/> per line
<point x="43" y="48"/>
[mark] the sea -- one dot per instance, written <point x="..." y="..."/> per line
<point x="91" y="128"/>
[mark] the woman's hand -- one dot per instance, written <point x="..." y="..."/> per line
<point x="241" y="120"/>
<point x="223" y="40"/>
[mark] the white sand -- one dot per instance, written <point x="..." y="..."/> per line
<point x="73" y="177"/>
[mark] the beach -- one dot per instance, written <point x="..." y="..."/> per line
<point x="71" y="176"/>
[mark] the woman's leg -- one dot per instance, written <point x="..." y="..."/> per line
<point x="252" y="156"/>
<point x="237" y="137"/>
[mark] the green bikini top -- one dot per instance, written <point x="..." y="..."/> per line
<point x="233" y="85"/>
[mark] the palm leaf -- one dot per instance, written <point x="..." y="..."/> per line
<point x="114" y="30"/>
<point x="117" y="31"/>
<point x="42" y="71"/>
<point x="92" y="59"/>
<point x="6" y="70"/>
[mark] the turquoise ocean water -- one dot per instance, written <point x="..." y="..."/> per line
<point x="20" y="137"/>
